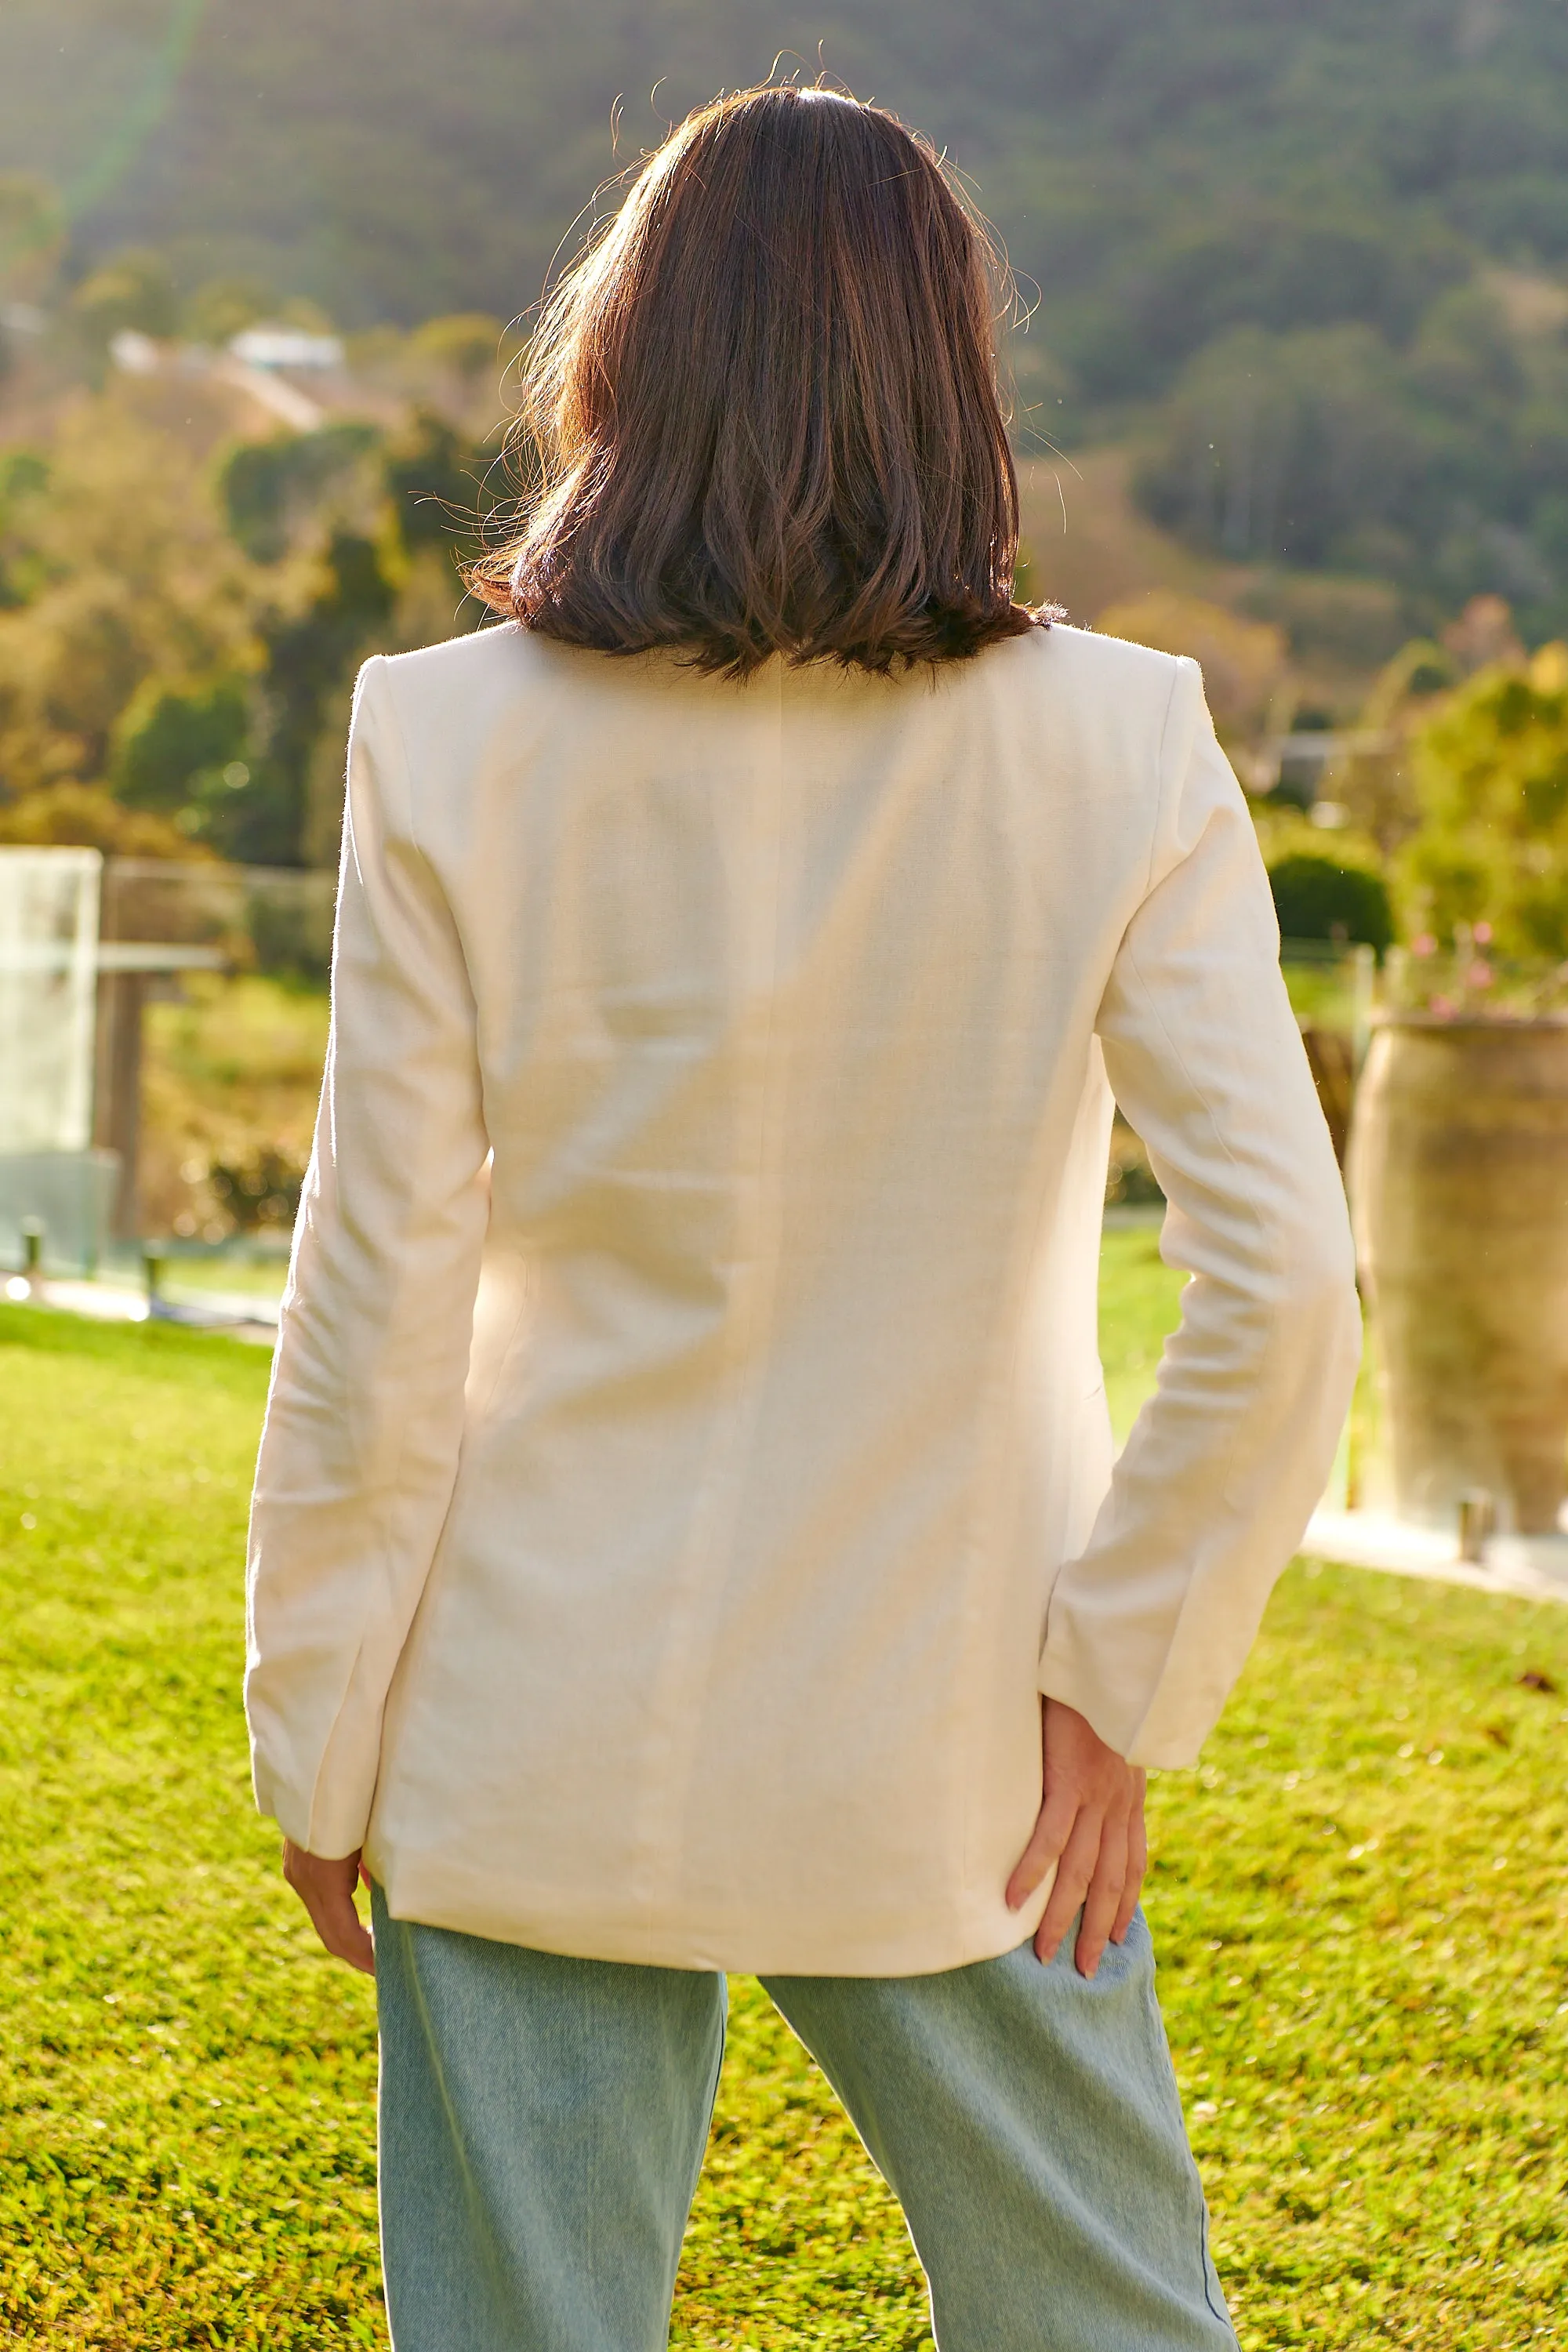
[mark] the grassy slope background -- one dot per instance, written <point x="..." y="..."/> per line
<point x="1358" y="1901"/>
<point x="396" y="159"/>
<point x="1302" y="326"/>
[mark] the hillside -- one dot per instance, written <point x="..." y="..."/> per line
<point x="1162" y="174"/>
<point x="1307" y="259"/>
<point x="1292" y="393"/>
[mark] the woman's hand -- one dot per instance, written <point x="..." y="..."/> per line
<point x="327" y="1891"/>
<point x="1091" y="1825"/>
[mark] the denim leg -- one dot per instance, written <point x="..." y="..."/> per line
<point x="542" y="2127"/>
<point x="1028" y="2120"/>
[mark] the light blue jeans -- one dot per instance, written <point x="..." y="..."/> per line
<point x="542" y="2125"/>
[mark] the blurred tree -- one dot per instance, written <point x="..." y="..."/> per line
<point x="310" y="656"/>
<point x="181" y="749"/>
<point x="274" y="490"/>
<point x="1275" y="267"/>
<point x="302" y="310"/>
<point x="128" y="574"/>
<point x="1443" y="467"/>
<point x="223" y="307"/>
<point x="1288" y="447"/>
<point x="1483" y="637"/>
<point x="1465" y="360"/>
<point x="32" y="237"/>
<point x="1491" y="779"/>
<point x="469" y="343"/>
<point x="434" y="478"/>
<point x="1549" y="528"/>
<point x="379" y="526"/>
<point x="1373" y="781"/>
<point x="260" y="1192"/>
<point x="464" y="366"/>
<point x="135" y="289"/>
<point x="86" y="816"/>
<point x="24" y="477"/>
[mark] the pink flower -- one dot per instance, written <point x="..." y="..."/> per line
<point x="1482" y="935"/>
<point x="1441" y="1009"/>
<point x="1425" y="945"/>
<point x="1479" y="976"/>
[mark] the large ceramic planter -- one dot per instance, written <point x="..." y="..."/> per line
<point x="1458" y="1176"/>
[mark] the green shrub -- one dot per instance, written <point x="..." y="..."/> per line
<point x="1320" y="896"/>
<point x="1491" y="782"/>
<point x="173" y="743"/>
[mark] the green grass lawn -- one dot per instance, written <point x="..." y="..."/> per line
<point x="1140" y="1299"/>
<point x="1359" y="1901"/>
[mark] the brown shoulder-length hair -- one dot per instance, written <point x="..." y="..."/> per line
<point x="761" y="413"/>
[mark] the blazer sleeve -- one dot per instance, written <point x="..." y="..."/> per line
<point x="359" y="1449"/>
<point x="1147" y="1629"/>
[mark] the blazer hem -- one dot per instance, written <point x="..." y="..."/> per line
<point x="553" y="1920"/>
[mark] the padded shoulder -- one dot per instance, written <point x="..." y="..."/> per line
<point x="1109" y="666"/>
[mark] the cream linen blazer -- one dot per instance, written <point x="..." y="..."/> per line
<point x="687" y="1460"/>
